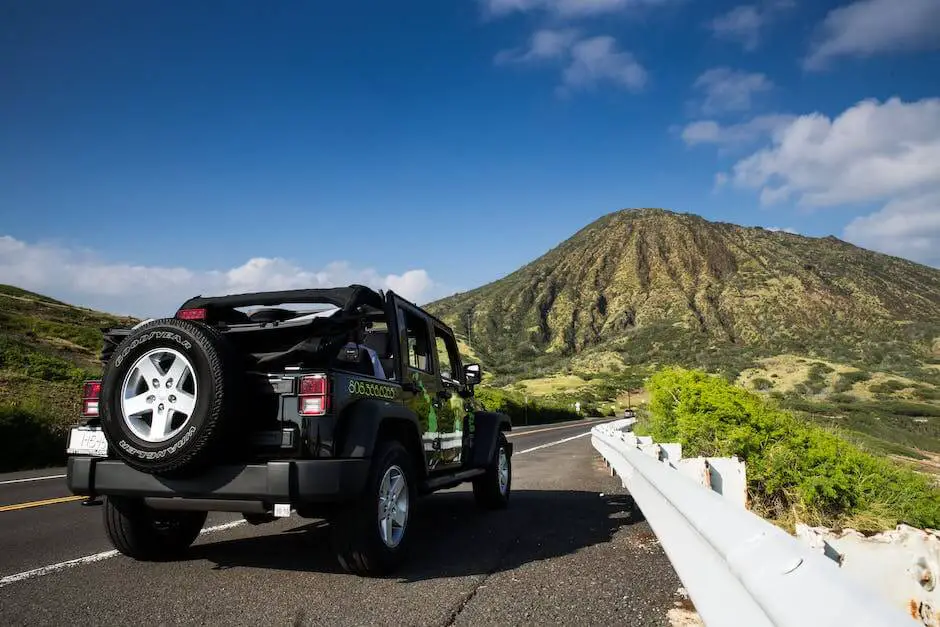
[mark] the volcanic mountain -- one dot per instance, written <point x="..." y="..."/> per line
<point x="656" y="286"/>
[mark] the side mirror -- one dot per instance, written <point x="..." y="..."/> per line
<point x="473" y="374"/>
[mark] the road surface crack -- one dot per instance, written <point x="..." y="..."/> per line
<point x="455" y="613"/>
<point x="506" y="550"/>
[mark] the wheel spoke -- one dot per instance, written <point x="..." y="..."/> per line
<point x="149" y="371"/>
<point x="387" y="529"/>
<point x="176" y="371"/>
<point x="185" y="403"/>
<point x="396" y="488"/>
<point x="400" y="515"/>
<point x="159" y="424"/>
<point x="137" y="404"/>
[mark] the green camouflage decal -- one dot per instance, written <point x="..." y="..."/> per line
<point x="423" y="406"/>
<point x="368" y="388"/>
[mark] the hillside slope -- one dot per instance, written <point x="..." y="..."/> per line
<point x="47" y="348"/>
<point x="657" y="287"/>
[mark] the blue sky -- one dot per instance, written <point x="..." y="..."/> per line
<point x="153" y="150"/>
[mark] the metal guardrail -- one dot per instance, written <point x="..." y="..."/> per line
<point x="739" y="569"/>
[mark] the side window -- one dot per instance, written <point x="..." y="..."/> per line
<point x="447" y="355"/>
<point x="416" y="331"/>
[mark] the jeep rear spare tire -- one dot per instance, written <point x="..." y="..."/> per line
<point x="168" y="396"/>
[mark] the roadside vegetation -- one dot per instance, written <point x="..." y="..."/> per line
<point x="535" y="411"/>
<point x="47" y="349"/>
<point x="797" y="471"/>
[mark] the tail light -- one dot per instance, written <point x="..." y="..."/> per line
<point x="191" y="314"/>
<point x="91" y="390"/>
<point x="314" y="396"/>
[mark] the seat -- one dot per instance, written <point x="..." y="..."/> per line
<point x="379" y="342"/>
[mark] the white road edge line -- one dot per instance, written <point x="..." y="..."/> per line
<point x="541" y="446"/>
<point x="97" y="557"/>
<point x="89" y="559"/>
<point x="27" y="480"/>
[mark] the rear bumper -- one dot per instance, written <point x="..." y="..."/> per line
<point x="244" y="487"/>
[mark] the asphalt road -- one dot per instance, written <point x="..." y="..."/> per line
<point x="570" y="549"/>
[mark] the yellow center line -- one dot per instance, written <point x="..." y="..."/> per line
<point x="577" y="424"/>
<point x="61" y="499"/>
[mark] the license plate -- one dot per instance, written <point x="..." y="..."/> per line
<point x="87" y="441"/>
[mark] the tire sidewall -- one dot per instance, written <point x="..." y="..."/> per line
<point x="393" y="454"/>
<point x="159" y="334"/>
<point x="502" y="445"/>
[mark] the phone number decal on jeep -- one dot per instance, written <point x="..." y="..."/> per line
<point x="364" y="388"/>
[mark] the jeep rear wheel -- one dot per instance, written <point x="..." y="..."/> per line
<point x="143" y="533"/>
<point x="371" y="535"/>
<point x="168" y="396"/>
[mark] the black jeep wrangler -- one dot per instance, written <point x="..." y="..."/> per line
<point x="346" y="404"/>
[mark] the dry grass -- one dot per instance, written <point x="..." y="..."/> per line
<point x="788" y="371"/>
<point x="558" y="384"/>
<point x="863" y="391"/>
<point x="785" y="372"/>
<point x="604" y="361"/>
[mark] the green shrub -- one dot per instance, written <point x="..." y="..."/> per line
<point x="762" y="384"/>
<point x="29" y="438"/>
<point x="856" y="376"/>
<point x="816" y="379"/>
<point x="536" y="411"/>
<point x="842" y="398"/>
<point x="21" y="359"/>
<point x="795" y="470"/>
<point x="924" y="393"/>
<point x="887" y="387"/>
<point x="847" y="380"/>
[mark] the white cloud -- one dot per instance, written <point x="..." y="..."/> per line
<point x="744" y="23"/>
<point x="83" y="278"/>
<point x="598" y="60"/>
<point x="872" y="151"/>
<point x="870" y="27"/>
<point x="586" y="62"/>
<point x="725" y="89"/>
<point x="711" y="132"/>
<point x="543" y="44"/>
<point x="907" y="227"/>
<point x="567" y="8"/>
<point x="788" y="229"/>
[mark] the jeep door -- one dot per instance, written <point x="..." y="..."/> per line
<point x="453" y="408"/>
<point x="420" y="383"/>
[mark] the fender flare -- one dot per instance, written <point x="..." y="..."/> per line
<point x="359" y="425"/>
<point x="487" y="427"/>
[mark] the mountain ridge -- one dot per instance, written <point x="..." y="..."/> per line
<point x="665" y="278"/>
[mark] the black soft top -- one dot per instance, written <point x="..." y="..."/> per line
<point x="349" y="299"/>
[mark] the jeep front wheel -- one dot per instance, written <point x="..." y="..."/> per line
<point x="492" y="489"/>
<point x="371" y="535"/>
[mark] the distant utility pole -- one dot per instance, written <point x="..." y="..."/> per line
<point x="469" y="326"/>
